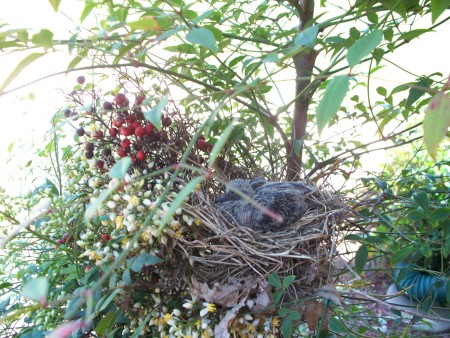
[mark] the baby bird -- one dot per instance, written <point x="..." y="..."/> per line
<point x="285" y="199"/>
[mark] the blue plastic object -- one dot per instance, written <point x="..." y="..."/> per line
<point x="421" y="285"/>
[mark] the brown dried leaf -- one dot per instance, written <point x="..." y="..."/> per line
<point x="227" y="295"/>
<point x="328" y="291"/>
<point x="313" y="313"/>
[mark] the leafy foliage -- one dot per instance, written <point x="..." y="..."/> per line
<point x="207" y="75"/>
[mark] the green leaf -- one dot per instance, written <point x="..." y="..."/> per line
<point x="19" y="68"/>
<point x="106" y="323"/>
<point x="286" y="327"/>
<point x="137" y="262"/>
<point x="22" y="35"/>
<point x="36" y="289"/>
<point x="440" y="214"/>
<point x="298" y="147"/>
<point x="44" y="38"/>
<point x="363" y="47"/>
<point x="126" y="277"/>
<point x="408" y="36"/>
<point x="88" y="7"/>
<point x="436" y="122"/>
<point x="421" y="198"/>
<point x="120" y="168"/>
<point x="275" y="280"/>
<point x="425" y="250"/>
<point x="276" y="296"/>
<point x="416" y="215"/>
<point x="73" y="306"/>
<point x="307" y="37"/>
<point x="76" y="60"/>
<point x="437" y="8"/>
<point x="139" y="329"/>
<point x="401" y="255"/>
<point x="271" y="57"/>
<point x="181" y="197"/>
<point x="107" y="301"/>
<point x="147" y="23"/>
<point x="55" y="4"/>
<point x="361" y="258"/>
<point x="416" y="90"/>
<point x="203" y="37"/>
<point x="331" y="101"/>
<point x="155" y="114"/>
<point x="220" y="143"/>
<point x="288" y="280"/>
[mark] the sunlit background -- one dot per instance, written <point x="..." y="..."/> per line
<point x="27" y="111"/>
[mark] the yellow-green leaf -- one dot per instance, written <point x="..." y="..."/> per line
<point x="437" y="8"/>
<point x="21" y="66"/>
<point x="55" y="4"/>
<point x="178" y="201"/>
<point x="44" y="38"/>
<point x="219" y="144"/>
<point x="331" y="100"/>
<point x="147" y="23"/>
<point x="436" y="122"/>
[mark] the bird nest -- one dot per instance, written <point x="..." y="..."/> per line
<point x="226" y="262"/>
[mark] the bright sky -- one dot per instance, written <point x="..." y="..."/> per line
<point x="29" y="119"/>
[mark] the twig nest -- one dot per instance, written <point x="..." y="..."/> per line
<point x="224" y="255"/>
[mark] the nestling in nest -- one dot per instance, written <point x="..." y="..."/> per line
<point x="238" y="242"/>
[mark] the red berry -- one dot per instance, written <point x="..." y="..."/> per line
<point x="67" y="112"/>
<point x="141" y="156"/>
<point x="59" y="241"/>
<point x="162" y="134"/>
<point x="135" y="124"/>
<point x="81" y="79"/>
<point x="98" y="134"/>
<point x="107" y="105"/>
<point x="106" y="152"/>
<point x="119" y="121"/>
<point x="89" y="154"/>
<point x="140" y="99"/>
<point x="201" y="137"/>
<point x="122" y="152"/>
<point x="139" y="131"/>
<point x="66" y="237"/>
<point x="125" y="143"/>
<point x="89" y="146"/>
<point x="149" y="129"/>
<point x="202" y="144"/>
<point x="131" y="118"/>
<point x="166" y="121"/>
<point x="80" y="132"/>
<point x="86" y="270"/>
<point x="113" y="132"/>
<point x="99" y="164"/>
<point x="105" y="238"/>
<point x="127" y="131"/>
<point x="121" y="100"/>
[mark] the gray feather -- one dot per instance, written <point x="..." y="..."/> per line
<point x="283" y="198"/>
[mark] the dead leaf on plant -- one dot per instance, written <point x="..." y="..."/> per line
<point x="329" y="292"/>
<point x="313" y="313"/>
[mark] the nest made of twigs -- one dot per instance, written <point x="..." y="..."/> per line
<point x="218" y="252"/>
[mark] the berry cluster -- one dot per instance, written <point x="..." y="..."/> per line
<point x="118" y="129"/>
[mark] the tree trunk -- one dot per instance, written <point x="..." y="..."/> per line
<point x="304" y="64"/>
